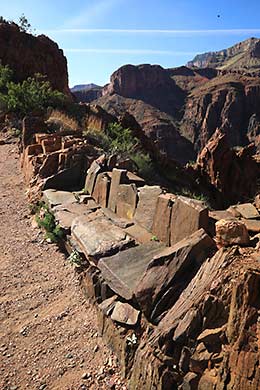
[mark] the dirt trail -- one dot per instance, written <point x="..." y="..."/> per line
<point x="48" y="331"/>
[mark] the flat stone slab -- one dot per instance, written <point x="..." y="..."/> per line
<point x="247" y="210"/>
<point x="98" y="237"/>
<point x="140" y="234"/>
<point x="91" y="177"/>
<point x="54" y="198"/>
<point x="126" y="200"/>
<point x="125" y="314"/>
<point x="101" y="189"/>
<point x="162" y="218"/>
<point x="118" y="221"/>
<point x="132" y="178"/>
<point x="118" y="177"/>
<point x="217" y="215"/>
<point x="65" y="214"/>
<point x="123" y="271"/>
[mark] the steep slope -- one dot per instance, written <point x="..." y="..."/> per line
<point x="27" y="54"/>
<point x="229" y="102"/>
<point x="156" y="129"/>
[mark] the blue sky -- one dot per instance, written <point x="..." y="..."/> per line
<point x="98" y="36"/>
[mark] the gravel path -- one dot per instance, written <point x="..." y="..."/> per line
<point x="48" y="331"/>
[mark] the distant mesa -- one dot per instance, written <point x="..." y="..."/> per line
<point x="84" y="87"/>
<point x="86" y="93"/>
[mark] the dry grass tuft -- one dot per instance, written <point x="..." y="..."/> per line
<point x="63" y="122"/>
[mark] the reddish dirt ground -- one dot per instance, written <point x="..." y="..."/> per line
<point x="48" y="331"/>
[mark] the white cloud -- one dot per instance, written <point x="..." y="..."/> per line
<point x="149" y="31"/>
<point x="130" y="51"/>
<point x="92" y="13"/>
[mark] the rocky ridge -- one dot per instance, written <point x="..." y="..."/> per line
<point x="27" y="54"/>
<point x="243" y="56"/>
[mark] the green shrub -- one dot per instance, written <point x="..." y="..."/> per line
<point x="30" y="95"/>
<point x="6" y="75"/>
<point x="98" y="138"/>
<point x="46" y="220"/>
<point x="121" y="140"/>
<point x="144" y="165"/>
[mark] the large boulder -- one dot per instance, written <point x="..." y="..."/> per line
<point x="188" y="216"/>
<point x="231" y="232"/>
<point x="170" y="271"/>
<point x="123" y="271"/>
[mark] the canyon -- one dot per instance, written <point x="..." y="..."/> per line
<point x="167" y="279"/>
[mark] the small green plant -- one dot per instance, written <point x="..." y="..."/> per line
<point x="194" y="195"/>
<point x="6" y="75"/>
<point x="75" y="259"/>
<point x="154" y="238"/>
<point x="36" y="207"/>
<point x="144" y="165"/>
<point x="121" y="140"/>
<point x="46" y="220"/>
<point x="16" y="132"/>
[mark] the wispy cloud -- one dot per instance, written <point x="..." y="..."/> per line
<point x="130" y="51"/>
<point x="92" y="13"/>
<point x="151" y="31"/>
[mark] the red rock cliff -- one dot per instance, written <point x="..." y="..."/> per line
<point x="27" y="54"/>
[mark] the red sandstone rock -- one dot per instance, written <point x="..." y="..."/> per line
<point x="231" y="232"/>
<point x="188" y="216"/>
<point x="169" y="271"/>
<point x="233" y="175"/>
<point x="27" y="55"/>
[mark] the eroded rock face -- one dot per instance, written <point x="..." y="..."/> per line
<point x="250" y="50"/>
<point x="27" y="55"/>
<point x="156" y="129"/>
<point x="150" y="83"/>
<point x="228" y="102"/>
<point x="234" y="175"/>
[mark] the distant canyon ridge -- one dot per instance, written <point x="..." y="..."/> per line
<point x="179" y="109"/>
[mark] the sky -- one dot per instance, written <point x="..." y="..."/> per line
<point x="99" y="36"/>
